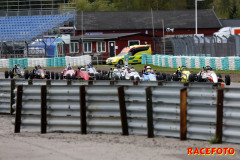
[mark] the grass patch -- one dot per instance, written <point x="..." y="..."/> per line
<point x="215" y="141"/>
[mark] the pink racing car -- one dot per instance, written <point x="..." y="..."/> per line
<point x="68" y="73"/>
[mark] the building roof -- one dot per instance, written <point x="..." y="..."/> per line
<point x="97" y="37"/>
<point x="132" y="20"/>
<point x="230" y="22"/>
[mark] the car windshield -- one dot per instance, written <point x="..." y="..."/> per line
<point x="124" y="52"/>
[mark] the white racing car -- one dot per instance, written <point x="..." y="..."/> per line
<point x="130" y="74"/>
<point x="207" y="75"/>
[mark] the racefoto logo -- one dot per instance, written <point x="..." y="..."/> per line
<point x="211" y="151"/>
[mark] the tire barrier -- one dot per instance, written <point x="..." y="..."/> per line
<point x="219" y="63"/>
<point x="46" y="62"/>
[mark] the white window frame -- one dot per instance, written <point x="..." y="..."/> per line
<point x="75" y="50"/>
<point x="101" y="46"/>
<point x="87" y="47"/>
<point x="133" y="41"/>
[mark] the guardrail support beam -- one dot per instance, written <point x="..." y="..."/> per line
<point x="43" y="109"/>
<point x="219" y="115"/>
<point x="150" y="128"/>
<point x="18" y="109"/>
<point x="83" y="109"/>
<point x="12" y="96"/>
<point x="183" y="114"/>
<point x="123" y="111"/>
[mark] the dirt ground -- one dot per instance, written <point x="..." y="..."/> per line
<point x="29" y="145"/>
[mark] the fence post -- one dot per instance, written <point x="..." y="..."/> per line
<point x="219" y="115"/>
<point x="18" y="109"/>
<point x="83" y="110"/>
<point x="183" y="114"/>
<point x="43" y="109"/>
<point x="12" y="96"/>
<point x="150" y="128"/>
<point x="123" y="110"/>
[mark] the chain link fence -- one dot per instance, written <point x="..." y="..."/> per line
<point x="202" y="46"/>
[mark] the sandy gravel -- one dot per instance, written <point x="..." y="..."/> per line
<point x="29" y="145"/>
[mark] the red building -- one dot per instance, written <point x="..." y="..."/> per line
<point x="110" y="32"/>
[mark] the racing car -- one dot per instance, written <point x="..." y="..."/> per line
<point x="208" y="75"/>
<point x="82" y="73"/>
<point x="37" y="73"/>
<point x="17" y="71"/>
<point x="67" y="73"/>
<point x="183" y="75"/>
<point x="114" y="73"/>
<point x="149" y="75"/>
<point x="92" y="72"/>
<point x="130" y="74"/>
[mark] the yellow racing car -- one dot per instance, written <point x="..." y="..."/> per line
<point x="183" y="75"/>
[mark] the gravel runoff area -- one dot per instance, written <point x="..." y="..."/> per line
<point x="74" y="146"/>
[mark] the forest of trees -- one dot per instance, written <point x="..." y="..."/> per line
<point x="225" y="9"/>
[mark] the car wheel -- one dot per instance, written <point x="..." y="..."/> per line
<point x="160" y="77"/>
<point x="104" y="72"/>
<point x="199" y="78"/>
<point x="175" y="77"/>
<point x="137" y="79"/>
<point x="132" y="78"/>
<point x="164" y="75"/>
<point x="123" y="78"/>
<point x="31" y="75"/>
<point x="74" y="76"/>
<point x="6" y="74"/>
<point x="97" y="76"/>
<point x="52" y="75"/>
<point x="68" y="76"/>
<point x="106" y="77"/>
<point x="227" y="80"/>
<point x="61" y="76"/>
<point x="26" y="74"/>
<point x="92" y="74"/>
<point x="120" y="62"/>
<point x="56" y="75"/>
<point x="11" y="74"/>
<point x="191" y="78"/>
<point x="168" y="77"/>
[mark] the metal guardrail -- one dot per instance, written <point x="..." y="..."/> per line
<point x="6" y="96"/>
<point x="201" y="111"/>
<point x="231" y="115"/>
<point x="182" y="110"/>
<point x="192" y="112"/>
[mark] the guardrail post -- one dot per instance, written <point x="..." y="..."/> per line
<point x="48" y="82"/>
<point x="83" y="111"/>
<point x="135" y="83"/>
<point x="18" y="109"/>
<point x="123" y="110"/>
<point x="150" y="128"/>
<point x="112" y="82"/>
<point x="30" y="82"/>
<point x="69" y="82"/>
<point x="183" y="114"/>
<point x="90" y="82"/>
<point x="12" y="96"/>
<point x="43" y="109"/>
<point x="219" y="115"/>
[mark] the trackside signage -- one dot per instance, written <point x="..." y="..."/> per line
<point x="211" y="151"/>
